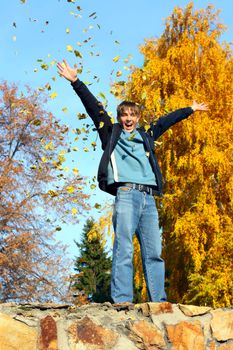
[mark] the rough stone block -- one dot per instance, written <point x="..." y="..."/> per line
<point x="48" y="334"/>
<point x="146" y="335"/>
<point x="186" y="336"/>
<point x="222" y="324"/>
<point x="16" y="335"/>
<point x="94" y="337"/>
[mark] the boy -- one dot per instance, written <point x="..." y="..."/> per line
<point x="129" y="170"/>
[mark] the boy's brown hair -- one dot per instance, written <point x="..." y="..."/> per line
<point x="134" y="107"/>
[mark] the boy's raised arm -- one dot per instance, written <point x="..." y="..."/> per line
<point x="93" y="107"/>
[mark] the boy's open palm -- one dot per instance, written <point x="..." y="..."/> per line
<point x="66" y="71"/>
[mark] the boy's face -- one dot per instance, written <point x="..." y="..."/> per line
<point x="128" y="119"/>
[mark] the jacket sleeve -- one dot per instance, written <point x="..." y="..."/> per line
<point x="165" y="122"/>
<point x="95" y="110"/>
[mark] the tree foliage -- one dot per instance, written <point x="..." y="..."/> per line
<point x="93" y="265"/>
<point x="36" y="195"/>
<point x="190" y="62"/>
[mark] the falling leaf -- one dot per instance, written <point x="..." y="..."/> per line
<point x="75" y="149"/>
<point x="67" y="30"/>
<point x="93" y="186"/>
<point x="116" y="58"/>
<point x="69" y="48"/>
<point x="14" y="24"/>
<point x="14" y="37"/>
<point x="70" y="189"/>
<point x="58" y="228"/>
<point x="118" y="73"/>
<point x="117" y="42"/>
<point x="93" y="144"/>
<point x="74" y="211"/>
<point x="52" y="193"/>
<point x="53" y="94"/>
<point x="23" y="1"/>
<point x="49" y="146"/>
<point x="73" y="1"/>
<point x="65" y="109"/>
<point x="75" y="171"/>
<point x="44" y="159"/>
<point x="92" y="14"/>
<point x="86" y="149"/>
<point x="101" y="125"/>
<point x="81" y="116"/>
<point x="79" y="8"/>
<point x="44" y="66"/>
<point x="102" y="95"/>
<point x="78" y="53"/>
<point x="97" y="205"/>
<point x="37" y="122"/>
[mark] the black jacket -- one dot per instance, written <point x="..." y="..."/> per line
<point x="109" y="134"/>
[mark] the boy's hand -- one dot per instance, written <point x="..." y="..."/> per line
<point x="67" y="72"/>
<point x="199" y="106"/>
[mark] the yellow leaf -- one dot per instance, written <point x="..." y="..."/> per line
<point x="101" y="125"/>
<point x="75" y="171"/>
<point x="67" y="30"/>
<point x="70" y="189"/>
<point x="93" y="186"/>
<point x="65" y="109"/>
<point x="69" y="48"/>
<point x="74" y="211"/>
<point x="86" y="149"/>
<point x="44" y="159"/>
<point x="118" y="73"/>
<point x="53" y="94"/>
<point x="116" y="58"/>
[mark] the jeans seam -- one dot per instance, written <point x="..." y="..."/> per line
<point x="147" y="267"/>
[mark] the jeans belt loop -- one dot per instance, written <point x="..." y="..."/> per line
<point x="140" y="187"/>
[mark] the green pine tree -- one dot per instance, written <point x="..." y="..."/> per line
<point x="93" y="266"/>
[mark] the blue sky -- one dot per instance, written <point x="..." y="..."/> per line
<point x="41" y="30"/>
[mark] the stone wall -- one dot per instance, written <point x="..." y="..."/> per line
<point x="148" y="326"/>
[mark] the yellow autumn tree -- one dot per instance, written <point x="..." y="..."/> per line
<point x="189" y="62"/>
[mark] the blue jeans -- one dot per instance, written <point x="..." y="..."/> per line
<point x="136" y="212"/>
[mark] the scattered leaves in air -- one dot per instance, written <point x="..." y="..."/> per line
<point x="44" y="66"/>
<point x="97" y="206"/>
<point x="116" y="58"/>
<point x="74" y="211"/>
<point x="69" y="48"/>
<point x="81" y="116"/>
<point x="37" y="122"/>
<point x="53" y="94"/>
<point x="70" y="189"/>
<point x="77" y="53"/>
<point x="92" y="14"/>
<point x="93" y="145"/>
<point x="102" y="95"/>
